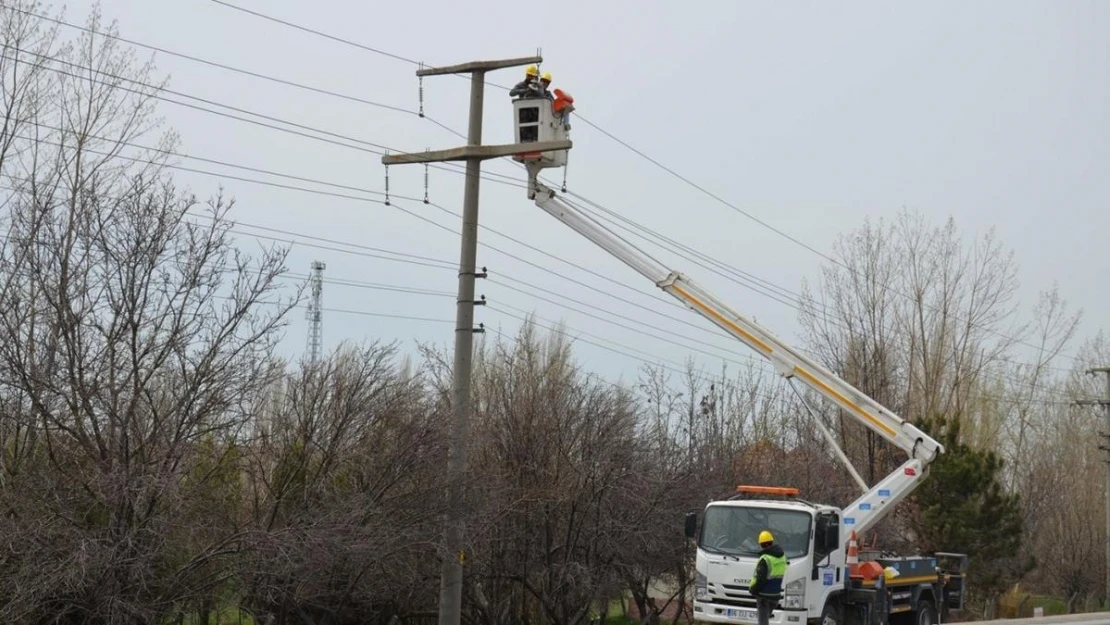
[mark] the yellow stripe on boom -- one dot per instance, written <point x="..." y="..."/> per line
<point x="844" y="400"/>
<point x="731" y="325"/>
<point x="720" y="318"/>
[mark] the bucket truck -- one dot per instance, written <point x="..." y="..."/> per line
<point x="822" y="583"/>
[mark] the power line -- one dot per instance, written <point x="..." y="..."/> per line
<point x="653" y="161"/>
<point x="516" y="257"/>
<point x="365" y="313"/>
<point x="631" y="329"/>
<point x="340" y="39"/>
<point x="784" y="234"/>
<point x="683" y="247"/>
<point x="508" y="277"/>
<point x="603" y="310"/>
<point x="354" y="188"/>
<point x="702" y="189"/>
<point x="336" y="138"/>
<point x="751" y="359"/>
<point x="672" y="365"/>
<point x="344" y="145"/>
<point x="427" y="261"/>
<point x="154" y="92"/>
<point x="374" y="286"/>
<point x="224" y="66"/>
<point x="317" y="32"/>
<point x="283" y="81"/>
<point x="424" y="260"/>
<point x="690" y="256"/>
<point x="353" y="283"/>
<point x="793" y="300"/>
<point x="559" y="258"/>
<point x="290" y="187"/>
<point x="680" y="370"/>
<point x="445" y="264"/>
<point x="243" y="179"/>
<point x="336" y="249"/>
<point x="653" y="361"/>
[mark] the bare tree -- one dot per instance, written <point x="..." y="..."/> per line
<point x="926" y="322"/>
<point x="1066" y="499"/>
<point x="554" y="451"/>
<point x="1025" y="390"/>
<point x="340" y="512"/>
<point x="130" y="334"/>
<point x="125" y="344"/>
<point x="25" y="84"/>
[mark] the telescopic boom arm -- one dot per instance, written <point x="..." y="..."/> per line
<point x="922" y="449"/>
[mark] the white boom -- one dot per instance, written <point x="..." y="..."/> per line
<point x="869" y="508"/>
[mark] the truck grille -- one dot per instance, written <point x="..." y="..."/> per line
<point x="729" y="594"/>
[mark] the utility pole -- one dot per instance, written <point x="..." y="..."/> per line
<point x="1105" y="403"/>
<point x="315" y="312"/>
<point x="454" y="556"/>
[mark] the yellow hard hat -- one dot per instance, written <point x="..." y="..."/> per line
<point x="766" y="537"/>
<point x="532" y="71"/>
<point x="547" y="77"/>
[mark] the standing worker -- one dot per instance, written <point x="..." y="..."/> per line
<point x="527" y="88"/>
<point x="766" y="584"/>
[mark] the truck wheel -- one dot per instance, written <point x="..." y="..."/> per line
<point x="926" y="613"/>
<point x="831" y="614"/>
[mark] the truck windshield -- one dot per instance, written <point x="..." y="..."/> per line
<point x="735" y="530"/>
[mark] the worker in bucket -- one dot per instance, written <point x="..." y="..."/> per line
<point x="561" y="102"/>
<point x="545" y="82"/>
<point x="529" y="87"/>
<point x="766" y="585"/>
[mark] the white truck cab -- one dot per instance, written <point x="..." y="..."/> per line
<point x="728" y="550"/>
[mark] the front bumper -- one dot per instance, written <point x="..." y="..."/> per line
<point x="709" y="612"/>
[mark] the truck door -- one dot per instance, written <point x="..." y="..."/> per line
<point x="826" y="540"/>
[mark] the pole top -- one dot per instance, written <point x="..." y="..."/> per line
<point x="479" y="66"/>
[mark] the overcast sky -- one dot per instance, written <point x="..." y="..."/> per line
<point x="808" y="116"/>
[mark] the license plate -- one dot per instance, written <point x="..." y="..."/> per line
<point x="743" y="615"/>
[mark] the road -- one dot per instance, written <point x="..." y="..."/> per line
<point x="1093" y="618"/>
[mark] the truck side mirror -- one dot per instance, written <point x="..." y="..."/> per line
<point x="691" y="524"/>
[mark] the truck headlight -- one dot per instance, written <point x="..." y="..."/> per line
<point x="795" y="595"/>
<point x="701" y="586"/>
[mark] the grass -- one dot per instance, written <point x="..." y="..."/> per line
<point x="1021" y="605"/>
<point x="225" y="616"/>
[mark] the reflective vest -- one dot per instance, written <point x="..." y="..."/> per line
<point x="776" y="570"/>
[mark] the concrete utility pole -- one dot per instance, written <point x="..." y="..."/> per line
<point x="1105" y="403"/>
<point x="450" y="601"/>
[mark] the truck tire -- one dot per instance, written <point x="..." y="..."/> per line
<point x="926" y="613"/>
<point x="830" y="615"/>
